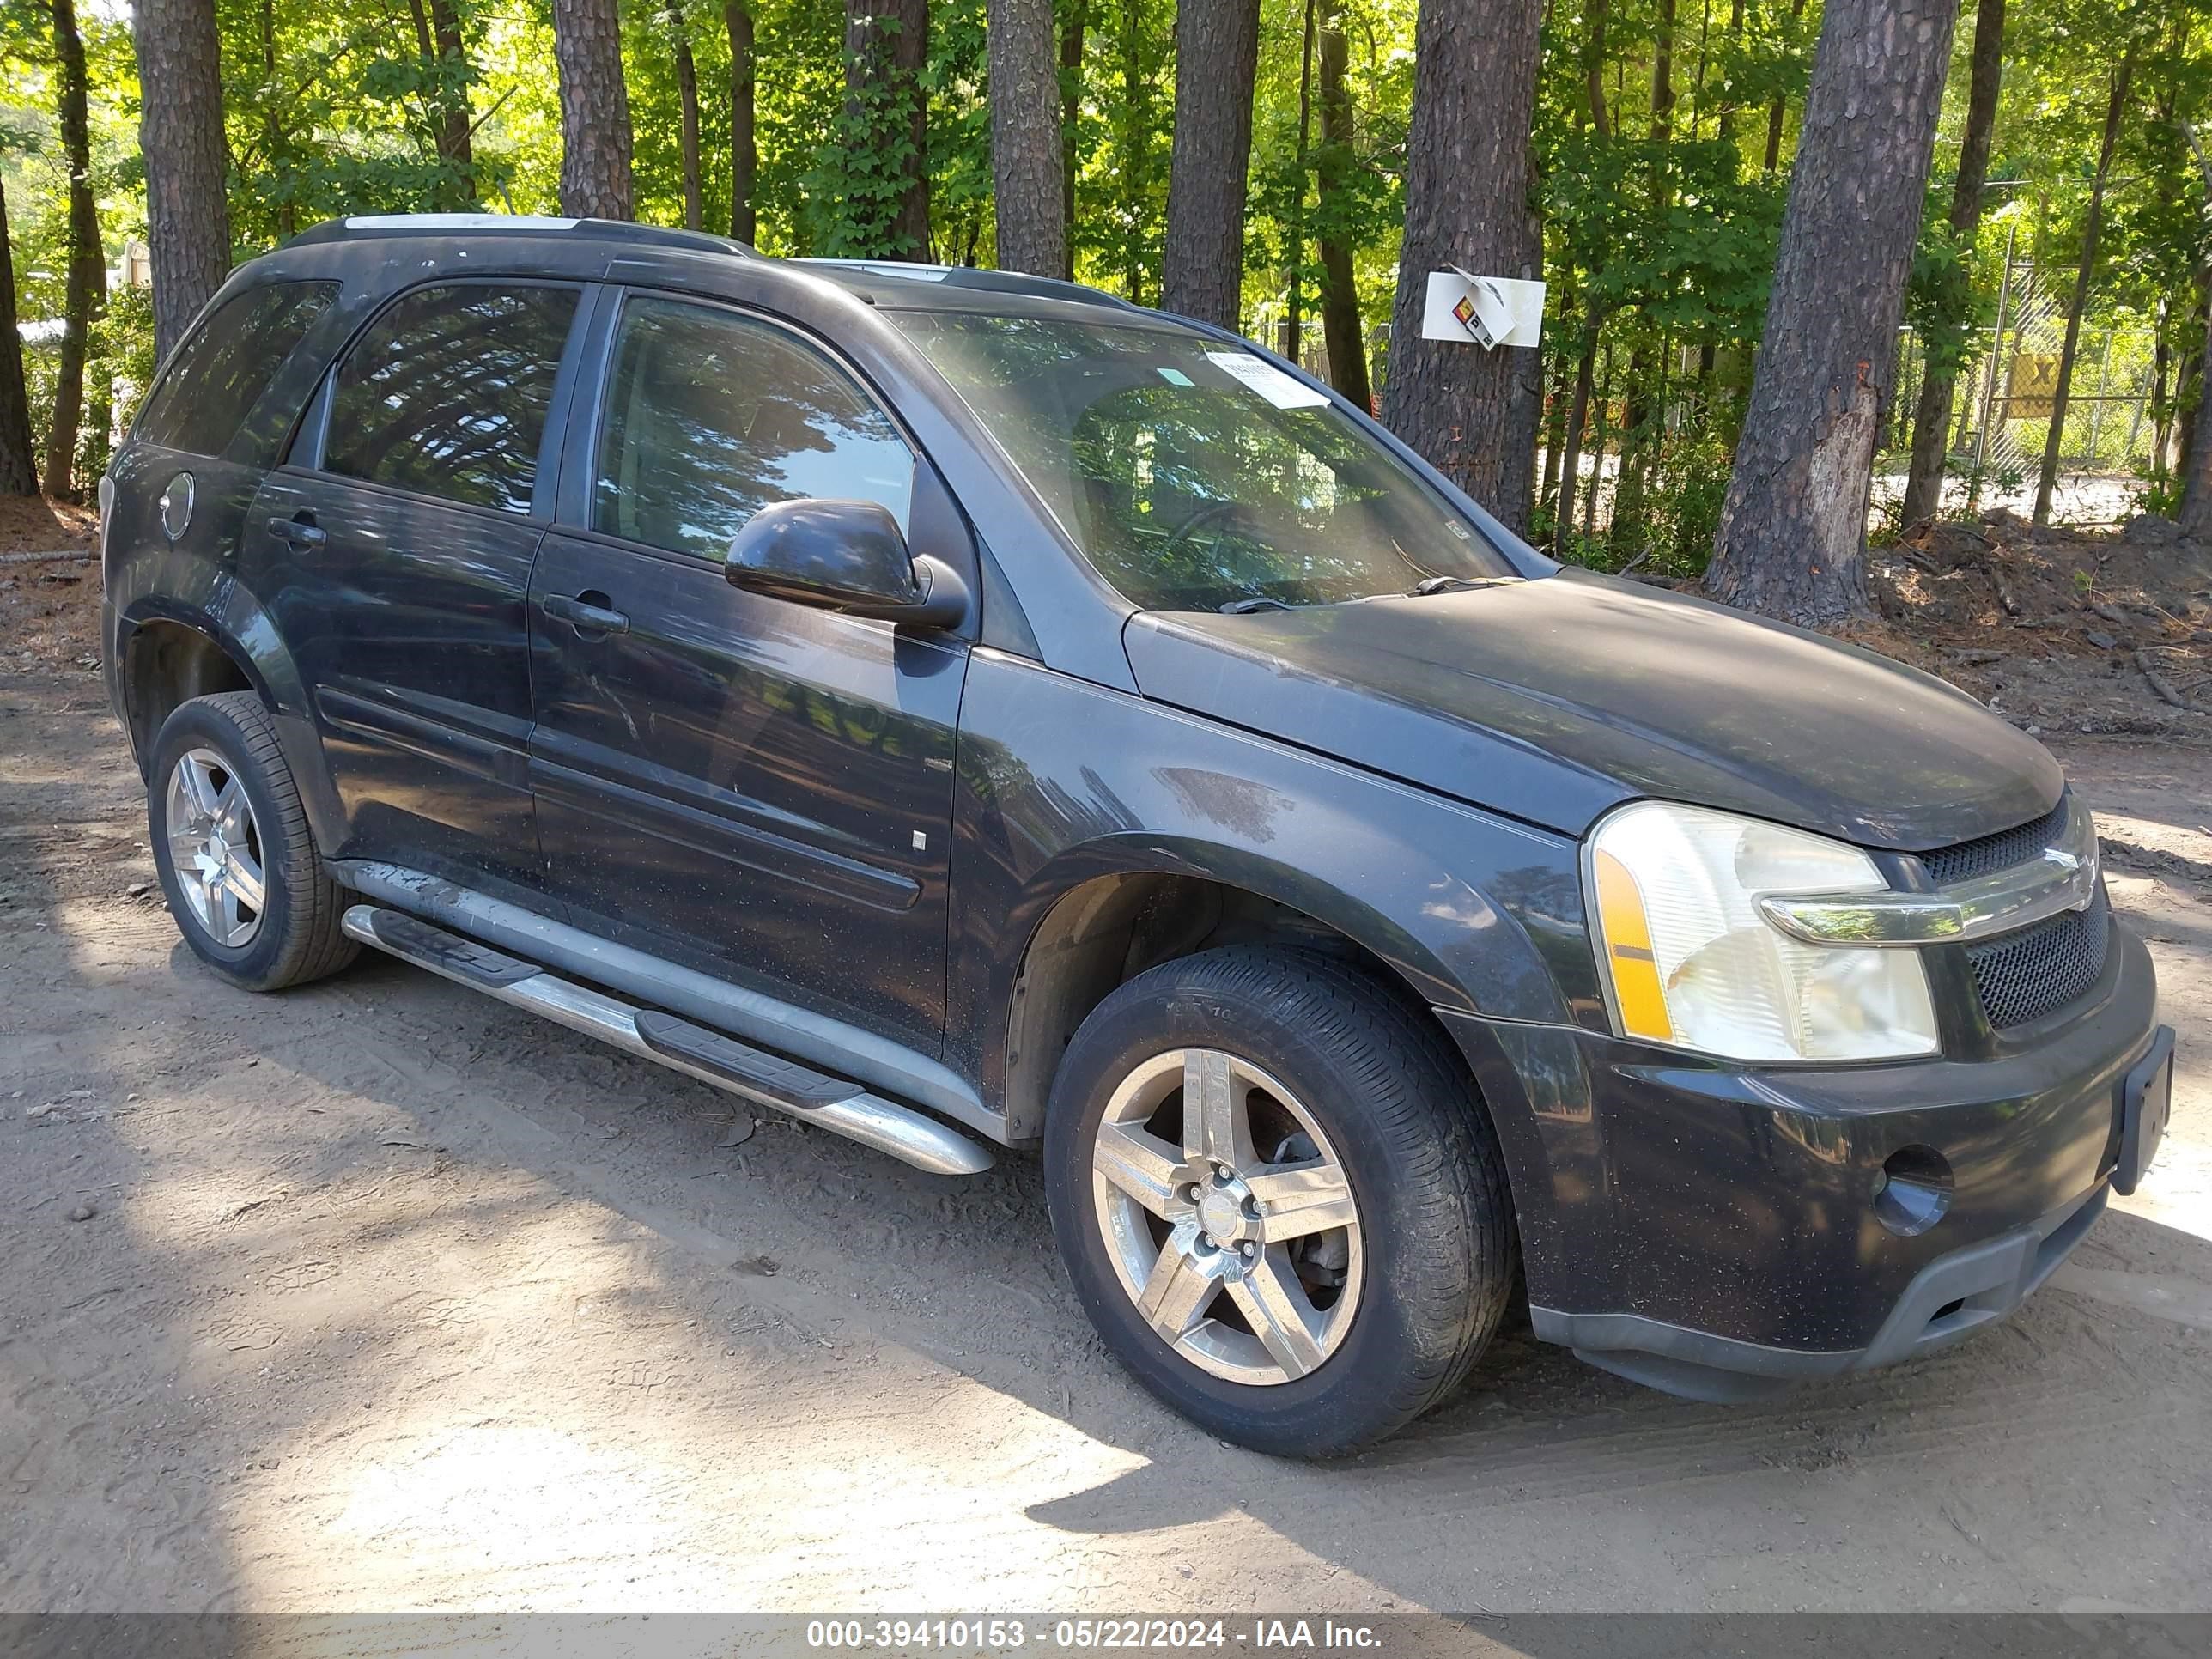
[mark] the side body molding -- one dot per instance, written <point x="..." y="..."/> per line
<point x="1062" y="782"/>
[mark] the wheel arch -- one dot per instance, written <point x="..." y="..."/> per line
<point x="169" y="656"/>
<point x="168" y="653"/>
<point x="1108" y="914"/>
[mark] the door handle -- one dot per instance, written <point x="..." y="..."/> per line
<point x="298" y="532"/>
<point x="587" y="613"/>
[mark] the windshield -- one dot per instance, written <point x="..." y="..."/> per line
<point x="1195" y="475"/>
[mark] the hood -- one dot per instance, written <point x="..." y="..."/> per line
<point x="1555" y="699"/>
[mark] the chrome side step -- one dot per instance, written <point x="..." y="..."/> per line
<point x="841" y="1107"/>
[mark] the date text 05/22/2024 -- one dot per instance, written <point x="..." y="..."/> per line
<point x="1009" y="1634"/>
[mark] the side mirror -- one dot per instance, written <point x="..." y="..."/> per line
<point x="844" y="556"/>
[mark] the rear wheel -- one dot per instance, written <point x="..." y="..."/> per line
<point x="1277" y="1198"/>
<point x="230" y="840"/>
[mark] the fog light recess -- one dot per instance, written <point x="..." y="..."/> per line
<point x="1913" y="1190"/>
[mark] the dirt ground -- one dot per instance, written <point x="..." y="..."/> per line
<point x="378" y="1296"/>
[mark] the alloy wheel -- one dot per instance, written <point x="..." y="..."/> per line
<point x="215" y="848"/>
<point x="1229" y="1219"/>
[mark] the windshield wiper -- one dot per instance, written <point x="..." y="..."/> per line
<point x="1428" y="585"/>
<point x="1258" y="602"/>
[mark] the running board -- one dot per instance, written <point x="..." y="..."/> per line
<point x="841" y="1107"/>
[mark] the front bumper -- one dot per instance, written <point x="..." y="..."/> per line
<point x="1712" y="1231"/>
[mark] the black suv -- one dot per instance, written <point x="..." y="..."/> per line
<point x="964" y="709"/>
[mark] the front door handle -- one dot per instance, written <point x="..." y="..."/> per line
<point x="299" y="532"/>
<point x="589" y="613"/>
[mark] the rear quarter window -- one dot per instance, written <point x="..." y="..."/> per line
<point x="220" y="372"/>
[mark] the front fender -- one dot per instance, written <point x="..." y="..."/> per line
<point x="1062" y="782"/>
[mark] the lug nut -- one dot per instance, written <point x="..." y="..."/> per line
<point x="1250" y="1250"/>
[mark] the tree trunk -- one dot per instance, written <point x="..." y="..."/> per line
<point x="1774" y="111"/>
<point x="1792" y="539"/>
<point x="886" y="49"/>
<point x="456" y="142"/>
<point x="2092" y="232"/>
<point x="438" y="39"/>
<point x="744" y="154"/>
<point x="1029" y="163"/>
<point x="1577" y="419"/>
<point x="1597" y="448"/>
<point x="687" y="99"/>
<point x="2194" y="515"/>
<point x="180" y="135"/>
<point x="1130" y="129"/>
<point x="1468" y="178"/>
<point x="87" y="281"/>
<point x="18" y="477"/>
<point x="1071" y="110"/>
<point x="595" y="131"/>
<point x="1931" y="420"/>
<point x="1217" y="58"/>
<point x="1341" y="331"/>
<point x="1294" y="306"/>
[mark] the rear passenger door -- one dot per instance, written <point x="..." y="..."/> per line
<point x="756" y="786"/>
<point x="397" y="544"/>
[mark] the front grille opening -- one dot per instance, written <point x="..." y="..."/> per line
<point x="1992" y="853"/>
<point x="1947" y="1310"/>
<point x="2023" y="976"/>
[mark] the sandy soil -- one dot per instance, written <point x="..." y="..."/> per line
<point x="384" y="1296"/>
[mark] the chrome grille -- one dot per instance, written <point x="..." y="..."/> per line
<point x="2023" y="976"/>
<point x="1970" y="858"/>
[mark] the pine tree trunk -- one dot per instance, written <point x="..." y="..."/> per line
<point x="1341" y="330"/>
<point x="1775" y="110"/>
<point x="1217" y="58"/>
<point x="595" y="130"/>
<point x="87" y="281"/>
<point x="686" y="67"/>
<point x="180" y="135"/>
<point x="18" y="477"/>
<point x="1029" y="163"/>
<point x="1792" y="539"/>
<point x="687" y="100"/>
<point x="886" y="49"/>
<point x="1577" y="420"/>
<point x="2194" y="515"/>
<point x="438" y="39"/>
<point x="1931" y="420"/>
<point x="455" y="142"/>
<point x="1468" y="178"/>
<point x="2092" y="231"/>
<point x="1071" y="110"/>
<point x="745" y="153"/>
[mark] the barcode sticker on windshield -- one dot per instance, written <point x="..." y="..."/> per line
<point x="1264" y="378"/>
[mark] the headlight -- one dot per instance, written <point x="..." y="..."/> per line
<point x="1689" y="961"/>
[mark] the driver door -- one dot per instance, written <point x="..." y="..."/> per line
<point x="753" y="787"/>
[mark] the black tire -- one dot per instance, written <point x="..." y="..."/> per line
<point x="1422" y="1162"/>
<point x="298" y="939"/>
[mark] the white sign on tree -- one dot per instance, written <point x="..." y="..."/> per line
<point x="1489" y="311"/>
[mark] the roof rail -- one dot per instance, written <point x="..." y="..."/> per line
<point x="975" y="276"/>
<point x="364" y="225"/>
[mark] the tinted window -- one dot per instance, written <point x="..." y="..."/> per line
<point x="447" y="393"/>
<point x="220" y="370"/>
<point x="709" y="418"/>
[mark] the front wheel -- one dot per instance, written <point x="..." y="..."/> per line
<point x="1277" y="1199"/>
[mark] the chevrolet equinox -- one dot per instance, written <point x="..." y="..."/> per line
<point x="967" y="710"/>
